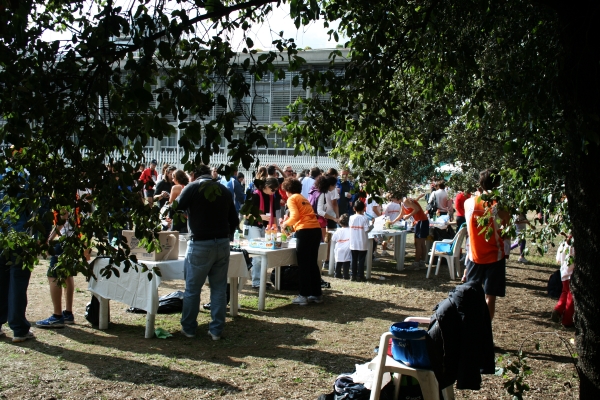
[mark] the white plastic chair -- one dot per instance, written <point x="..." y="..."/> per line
<point x="384" y="363"/>
<point x="448" y="249"/>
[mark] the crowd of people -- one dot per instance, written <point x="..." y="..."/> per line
<point x="312" y="204"/>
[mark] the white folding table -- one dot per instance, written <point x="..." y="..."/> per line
<point x="136" y="290"/>
<point x="275" y="259"/>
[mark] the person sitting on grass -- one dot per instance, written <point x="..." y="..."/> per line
<point x="343" y="257"/>
<point x="359" y="242"/>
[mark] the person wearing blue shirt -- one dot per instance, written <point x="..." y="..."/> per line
<point x="236" y="189"/>
<point x="14" y="279"/>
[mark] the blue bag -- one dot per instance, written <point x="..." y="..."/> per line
<point x="408" y="344"/>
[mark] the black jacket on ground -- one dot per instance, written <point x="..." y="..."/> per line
<point x="461" y="344"/>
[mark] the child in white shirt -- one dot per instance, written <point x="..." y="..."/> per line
<point x="359" y="227"/>
<point x="341" y="238"/>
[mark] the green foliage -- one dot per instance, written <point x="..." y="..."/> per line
<point x="514" y="371"/>
<point x="128" y="77"/>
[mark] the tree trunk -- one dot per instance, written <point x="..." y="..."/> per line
<point x="581" y="87"/>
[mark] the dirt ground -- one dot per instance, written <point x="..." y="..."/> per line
<point x="286" y="352"/>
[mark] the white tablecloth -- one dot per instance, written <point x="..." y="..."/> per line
<point x="136" y="290"/>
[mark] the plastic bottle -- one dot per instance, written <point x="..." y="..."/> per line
<point x="236" y="239"/>
<point x="277" y="235"/>
<point x="284" y="237"/>
<point x="268" y="233"/>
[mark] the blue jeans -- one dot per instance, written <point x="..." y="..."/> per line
<point x="14" y="281"/>
<point x="205" y="258"/>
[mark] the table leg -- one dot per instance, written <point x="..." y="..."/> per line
<point x="104" y="316"/>
<point x="150" y="325"/>
<point x="262" y="291"/>
<point x="233" y="296"/>
<point x="369" y="258"/>
<point x="331" y="258"/>
<point x="401" y="250"/>
<point x="278" y="278"/>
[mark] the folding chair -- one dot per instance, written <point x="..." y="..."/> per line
<point x="448" y="249"/>
<point x="384" y="363"/>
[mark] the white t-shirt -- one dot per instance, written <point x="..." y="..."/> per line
<point x="359" y="227"/>
<point x="66" y="230"/>
<point x="330" y="198"/>
<point x="369" y="209"/>
<point x="341" y="238"/>
<point x="441" y="200"/>
<point x="392" y="210"/>
<point x="307" y="183"/>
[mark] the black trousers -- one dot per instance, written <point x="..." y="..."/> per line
<point x="342" y="269"/>
<point x="358" y="263"/>
<point x="307" y="252"/>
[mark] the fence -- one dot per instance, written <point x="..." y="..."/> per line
<point x="298" y="163"/>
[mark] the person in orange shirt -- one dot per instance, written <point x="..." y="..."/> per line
<point x="412" y="208"/>
<point x="308" y="239"/>
<point x="486" y="262"/>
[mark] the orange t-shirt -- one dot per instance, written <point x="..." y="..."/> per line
<point x="418" y="216"/>
<point x="302" y="215"/>
<point x="483" y="251"/>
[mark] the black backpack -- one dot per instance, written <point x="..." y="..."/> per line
<point x="92" y="311"/>
<point x="555" y="285"/>
<point x="290" y="277"/>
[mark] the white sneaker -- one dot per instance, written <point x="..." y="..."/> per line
<point x="384" y="253"/>
<point x="19" y="339"/>
<point x="522" y="260"/>
<point x="214" y="337"/>
<point x="189" y="335"/>
<point x="300" y="300"/>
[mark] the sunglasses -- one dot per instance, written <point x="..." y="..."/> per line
<point x="289" y="170"/>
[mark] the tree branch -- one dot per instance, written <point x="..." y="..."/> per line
<point x="211" y="15"/>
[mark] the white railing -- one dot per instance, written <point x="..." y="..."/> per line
<point x="298" y="163"/>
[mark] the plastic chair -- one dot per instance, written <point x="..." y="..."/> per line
<point x="448" y="249"/>
<point x="384" y="363"/>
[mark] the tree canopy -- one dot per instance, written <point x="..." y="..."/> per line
<point x="510" y="84"/>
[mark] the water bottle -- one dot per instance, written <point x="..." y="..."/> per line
<point x="236" y="239"/>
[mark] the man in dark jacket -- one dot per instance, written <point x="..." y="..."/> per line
<point x="212" y="218"/>
<point x="344" y="187"/>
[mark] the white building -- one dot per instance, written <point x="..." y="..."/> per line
<point x="269" y="104"/>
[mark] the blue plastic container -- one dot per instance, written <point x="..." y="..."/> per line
<point x="408" y="344"/>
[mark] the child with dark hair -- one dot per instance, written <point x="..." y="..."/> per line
<point x="343" y="256"/>
<point x="359" y="227"/>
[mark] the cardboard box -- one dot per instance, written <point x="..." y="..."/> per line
<point x="169" y="243"/>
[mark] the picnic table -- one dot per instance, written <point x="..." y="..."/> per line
<point x="136" y="290"/>
<point x="276" y="258"/>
